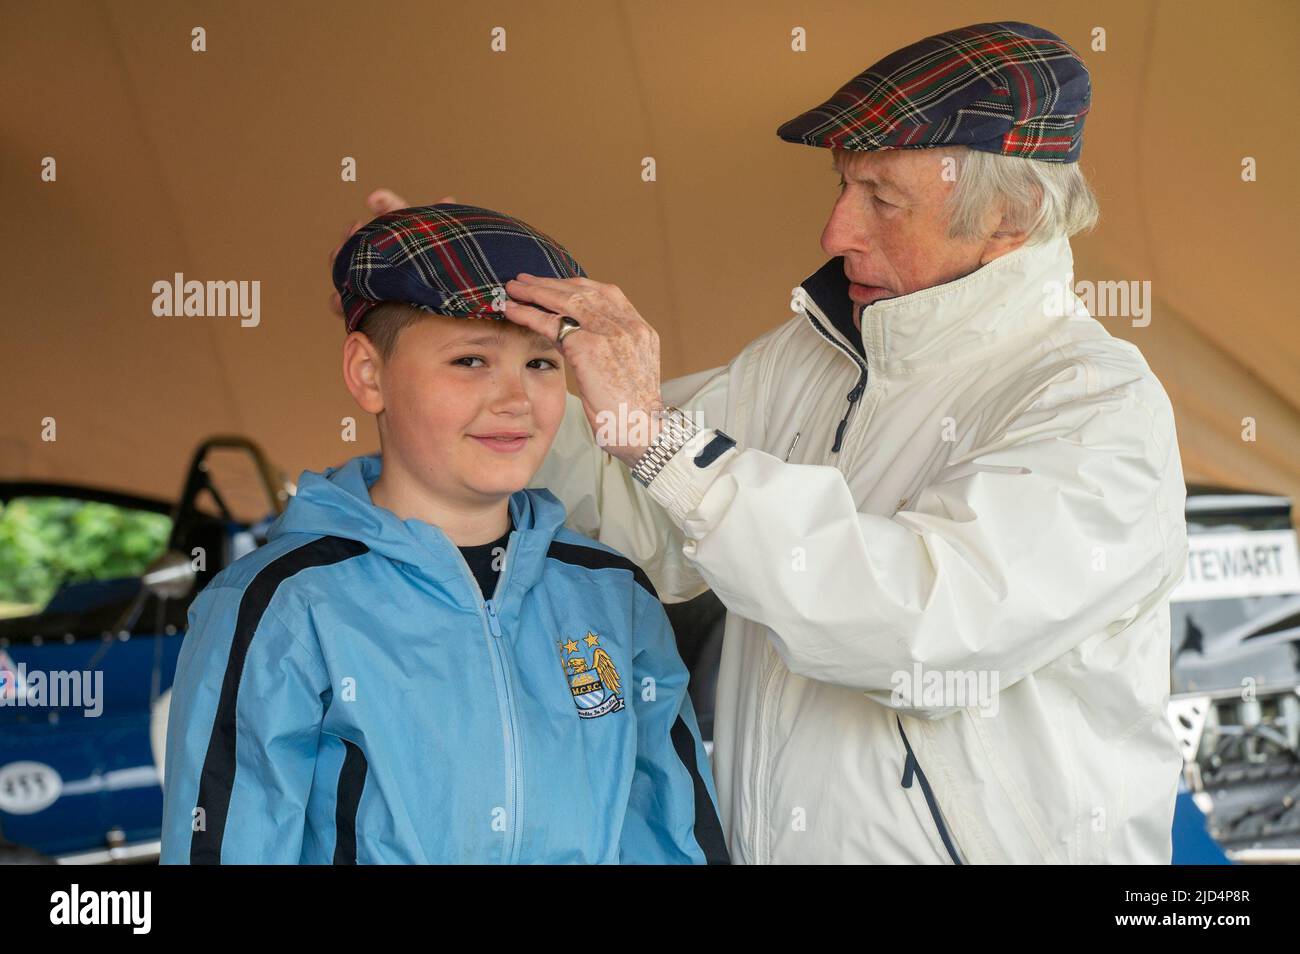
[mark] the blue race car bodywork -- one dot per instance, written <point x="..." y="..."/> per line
<point x="80" y="765"/>
<point x="98" y="772"/>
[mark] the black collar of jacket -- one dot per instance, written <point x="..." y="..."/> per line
<point x="829" y="288"/>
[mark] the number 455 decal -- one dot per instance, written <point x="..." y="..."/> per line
<point x="28" y="787"/>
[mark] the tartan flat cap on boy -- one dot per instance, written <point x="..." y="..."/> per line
<point x="1009" y="88"/>
<point x="448" y="259"/>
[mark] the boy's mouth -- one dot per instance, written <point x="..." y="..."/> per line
<point x="503" y="442"/>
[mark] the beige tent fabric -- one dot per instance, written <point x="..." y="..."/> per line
<point x="225" y="165"/>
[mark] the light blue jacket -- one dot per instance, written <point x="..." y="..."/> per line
<point x="345" y="694"/>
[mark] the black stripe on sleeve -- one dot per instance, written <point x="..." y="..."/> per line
<point x="352" y="779"/>
<point x="714" y="449"/>
<point x="594" y="559"/>
<point x="708" y="827"/>
<point x="218" y="777"/>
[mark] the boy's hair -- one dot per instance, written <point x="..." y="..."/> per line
<point x="386" y="321"/>
<point x="383" y="323"/>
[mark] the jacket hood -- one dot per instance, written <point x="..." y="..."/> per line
<point x="336" y="502"/>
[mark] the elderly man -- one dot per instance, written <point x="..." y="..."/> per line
<point x="944" y="513"/>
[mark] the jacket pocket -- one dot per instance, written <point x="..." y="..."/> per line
<point x="912" y="770"/>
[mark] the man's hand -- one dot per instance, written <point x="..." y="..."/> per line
<point x="378" y="202"/>
<point x="614" y="356"/>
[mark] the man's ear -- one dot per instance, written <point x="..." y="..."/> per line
<point x="1001" y="242"/>
<point x="362" y="372"/>
<point x="1003" y="238"/>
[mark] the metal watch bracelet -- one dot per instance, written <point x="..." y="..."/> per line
<point x="675" y="429"/>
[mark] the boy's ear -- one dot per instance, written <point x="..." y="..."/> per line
<point x="362" y="370"/>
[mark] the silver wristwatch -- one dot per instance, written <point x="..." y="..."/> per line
<point x="675" y="429"/>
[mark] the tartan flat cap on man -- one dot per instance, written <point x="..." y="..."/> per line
<point x="447" y="259"/>
<point x="1009" y="88"/>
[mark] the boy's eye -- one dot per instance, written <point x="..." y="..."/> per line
<point x="539" y="364"/>
<point x="884" y="204"/>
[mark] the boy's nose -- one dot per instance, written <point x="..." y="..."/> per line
<point x="511" y="396"/>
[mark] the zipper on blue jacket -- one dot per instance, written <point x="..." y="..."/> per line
<point x="512" y="753"/>
<point x="492" y="625"/>
<point x="912" y="768"/>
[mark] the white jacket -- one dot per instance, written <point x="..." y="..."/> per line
<point x="1006" y="503"/>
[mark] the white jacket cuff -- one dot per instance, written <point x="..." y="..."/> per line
<point x="680" y="486"/>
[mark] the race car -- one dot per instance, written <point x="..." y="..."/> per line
<point x="1235" y="677"/>
<point x="85" y="676"/>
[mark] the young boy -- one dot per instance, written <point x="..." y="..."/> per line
<point x="423" y="664"/>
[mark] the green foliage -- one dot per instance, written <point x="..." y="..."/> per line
<point x="48" y="541"/>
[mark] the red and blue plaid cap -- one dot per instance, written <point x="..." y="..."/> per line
<point x="1009" y="88"/>
<point x="447" y="259"/>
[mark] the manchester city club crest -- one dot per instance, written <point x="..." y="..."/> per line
<point x="593" y="678"/>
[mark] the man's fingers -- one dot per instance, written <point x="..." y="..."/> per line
<point x="543" y="322"/>
<point x="575" y="282"/>
<point x="554" y="294"/>
<point x="336" y="304"/>
<point x="385" y="200"/>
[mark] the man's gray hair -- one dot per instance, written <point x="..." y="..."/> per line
<point x="984" y="179"/>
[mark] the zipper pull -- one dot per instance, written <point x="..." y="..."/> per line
<point x="909" y="767"/>
<point x="493" y="623"/>
<point x="852" y="397"/>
